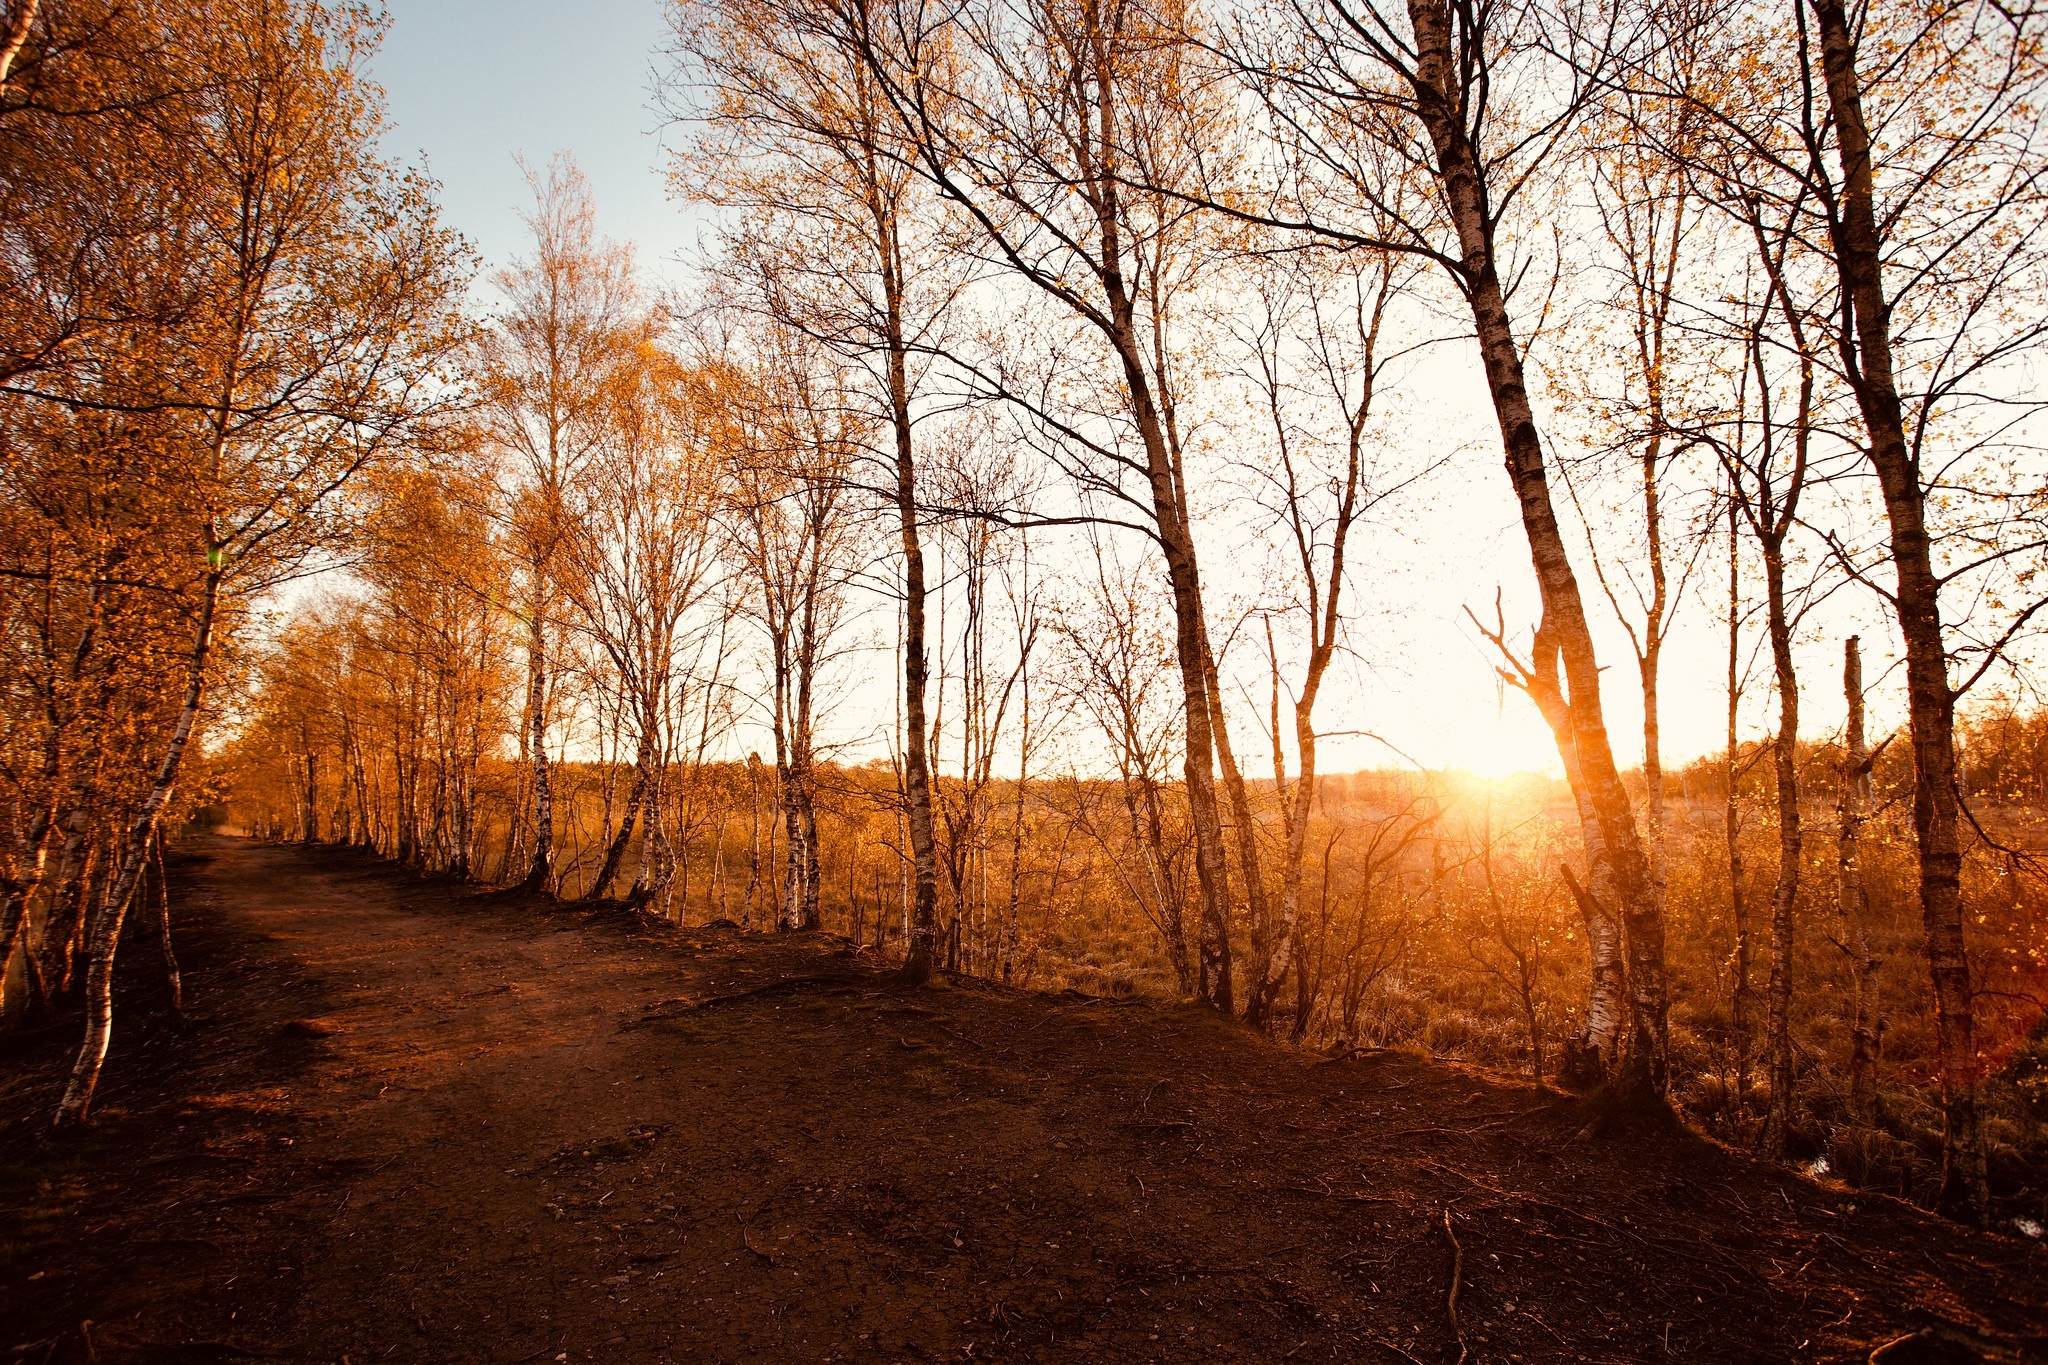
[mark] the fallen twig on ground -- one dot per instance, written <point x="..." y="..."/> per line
<point x="1457" y="1278"/>
<point x="747" y="1237"/>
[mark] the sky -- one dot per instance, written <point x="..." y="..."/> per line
<point x="472" y="87"/>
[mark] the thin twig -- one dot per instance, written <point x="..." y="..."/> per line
<point x="747" y="1237"/>
<point x="1457" y="1278"/>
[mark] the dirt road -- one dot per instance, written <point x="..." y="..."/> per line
<point x="409" y="1123"/>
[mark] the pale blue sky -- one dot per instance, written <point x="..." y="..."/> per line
<point x="475" y="83"/>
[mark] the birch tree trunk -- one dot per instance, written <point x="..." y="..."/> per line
<point x="1785" y="894"/>
<point x="29" y="865"/>
<point x="1618" y="875"/>
<point x="753" y="836"/>
<point x="1853" y="808"/>
<point x="615" y="854"/>
<point x="172" y="979"/>
<point x="1595" y="1053"/>
<point x="1199" y="768"/>
<point x="1257" y="904"/>
<point x="1649" y="665"/>
<point x="1741" y="1006"/>
<point x="806" y="871"/>
<point x="20" y="887"/>
<point x="789" y="789"/>
<point x="923" y="904"/>
<point x="66" y="907"/>
<point x="1917" y="602"/>
<point x="813" y="867"/>
<point x="1084" y="89"/>
<point x="1190" y="645"/>
<point x="309" y="822"/>
<point x="541" y="871"/>
<point x="103" y="932"/>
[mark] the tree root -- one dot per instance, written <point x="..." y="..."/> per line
<point x="684" y="1004"/>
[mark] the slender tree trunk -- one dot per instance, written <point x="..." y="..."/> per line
<point x="753" y="835"/>
<point x="1650" y="662"/>
<point x="1785" y="895"/>
<point x="1214" y="984"/>
<point x="369" y="806"/>
<point x="805" y="869"/>
<point x="920" y="948"/>
<point x="616" y="853"/>
<point x="789" y="903"/>
<point x="406" y="771"/>
<point x="717" y="896"/>
<point x="1009" y="930"/>
<point x="1095" y="132"/>
<point x="1296" y="803"/>
<point x="103" y="933"/>
<point x="29" y="866"/>
<point x="76" y="895"/>
<point x="1191" y="652"/>
<point x="657" y="859"/>
<point x="172" y="979"/>
<point x="1323" y="616"/>
<point x="1257" y="904"/>
<point x="1742" y="1007"/>
<point x="16" y="891"/>
<point x="813" y="868"/>
<point x="796" y="863"/>
<point x="1618" y="874"/>
<point x="1594" y="1053"/>
<point x="1853" y="808"/>
<point x="540" y="873"/>
<point x="63" y="914"/>
<point x="1917" y="601"/>
<point x="1649" y="669"/>
<point x="312" y="816"/>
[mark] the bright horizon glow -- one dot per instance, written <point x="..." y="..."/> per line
<point x="1513" y="742"/>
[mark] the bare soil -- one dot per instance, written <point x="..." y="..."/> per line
<point x="406" y="1121"/>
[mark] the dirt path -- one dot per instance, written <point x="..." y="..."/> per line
<point x="408" y="1123"/>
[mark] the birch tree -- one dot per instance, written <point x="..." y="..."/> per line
<point x="787" y="489"/>
<point x="1045" y="126"/>
<point x="1338" y="77"/>
<point x="797" y="137"/>
<point x="574" y="319"/>
<point x="1318" y="365"/>
<point x="641" y="560"/>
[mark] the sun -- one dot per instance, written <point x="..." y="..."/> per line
<point x="1500" y="742"/>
